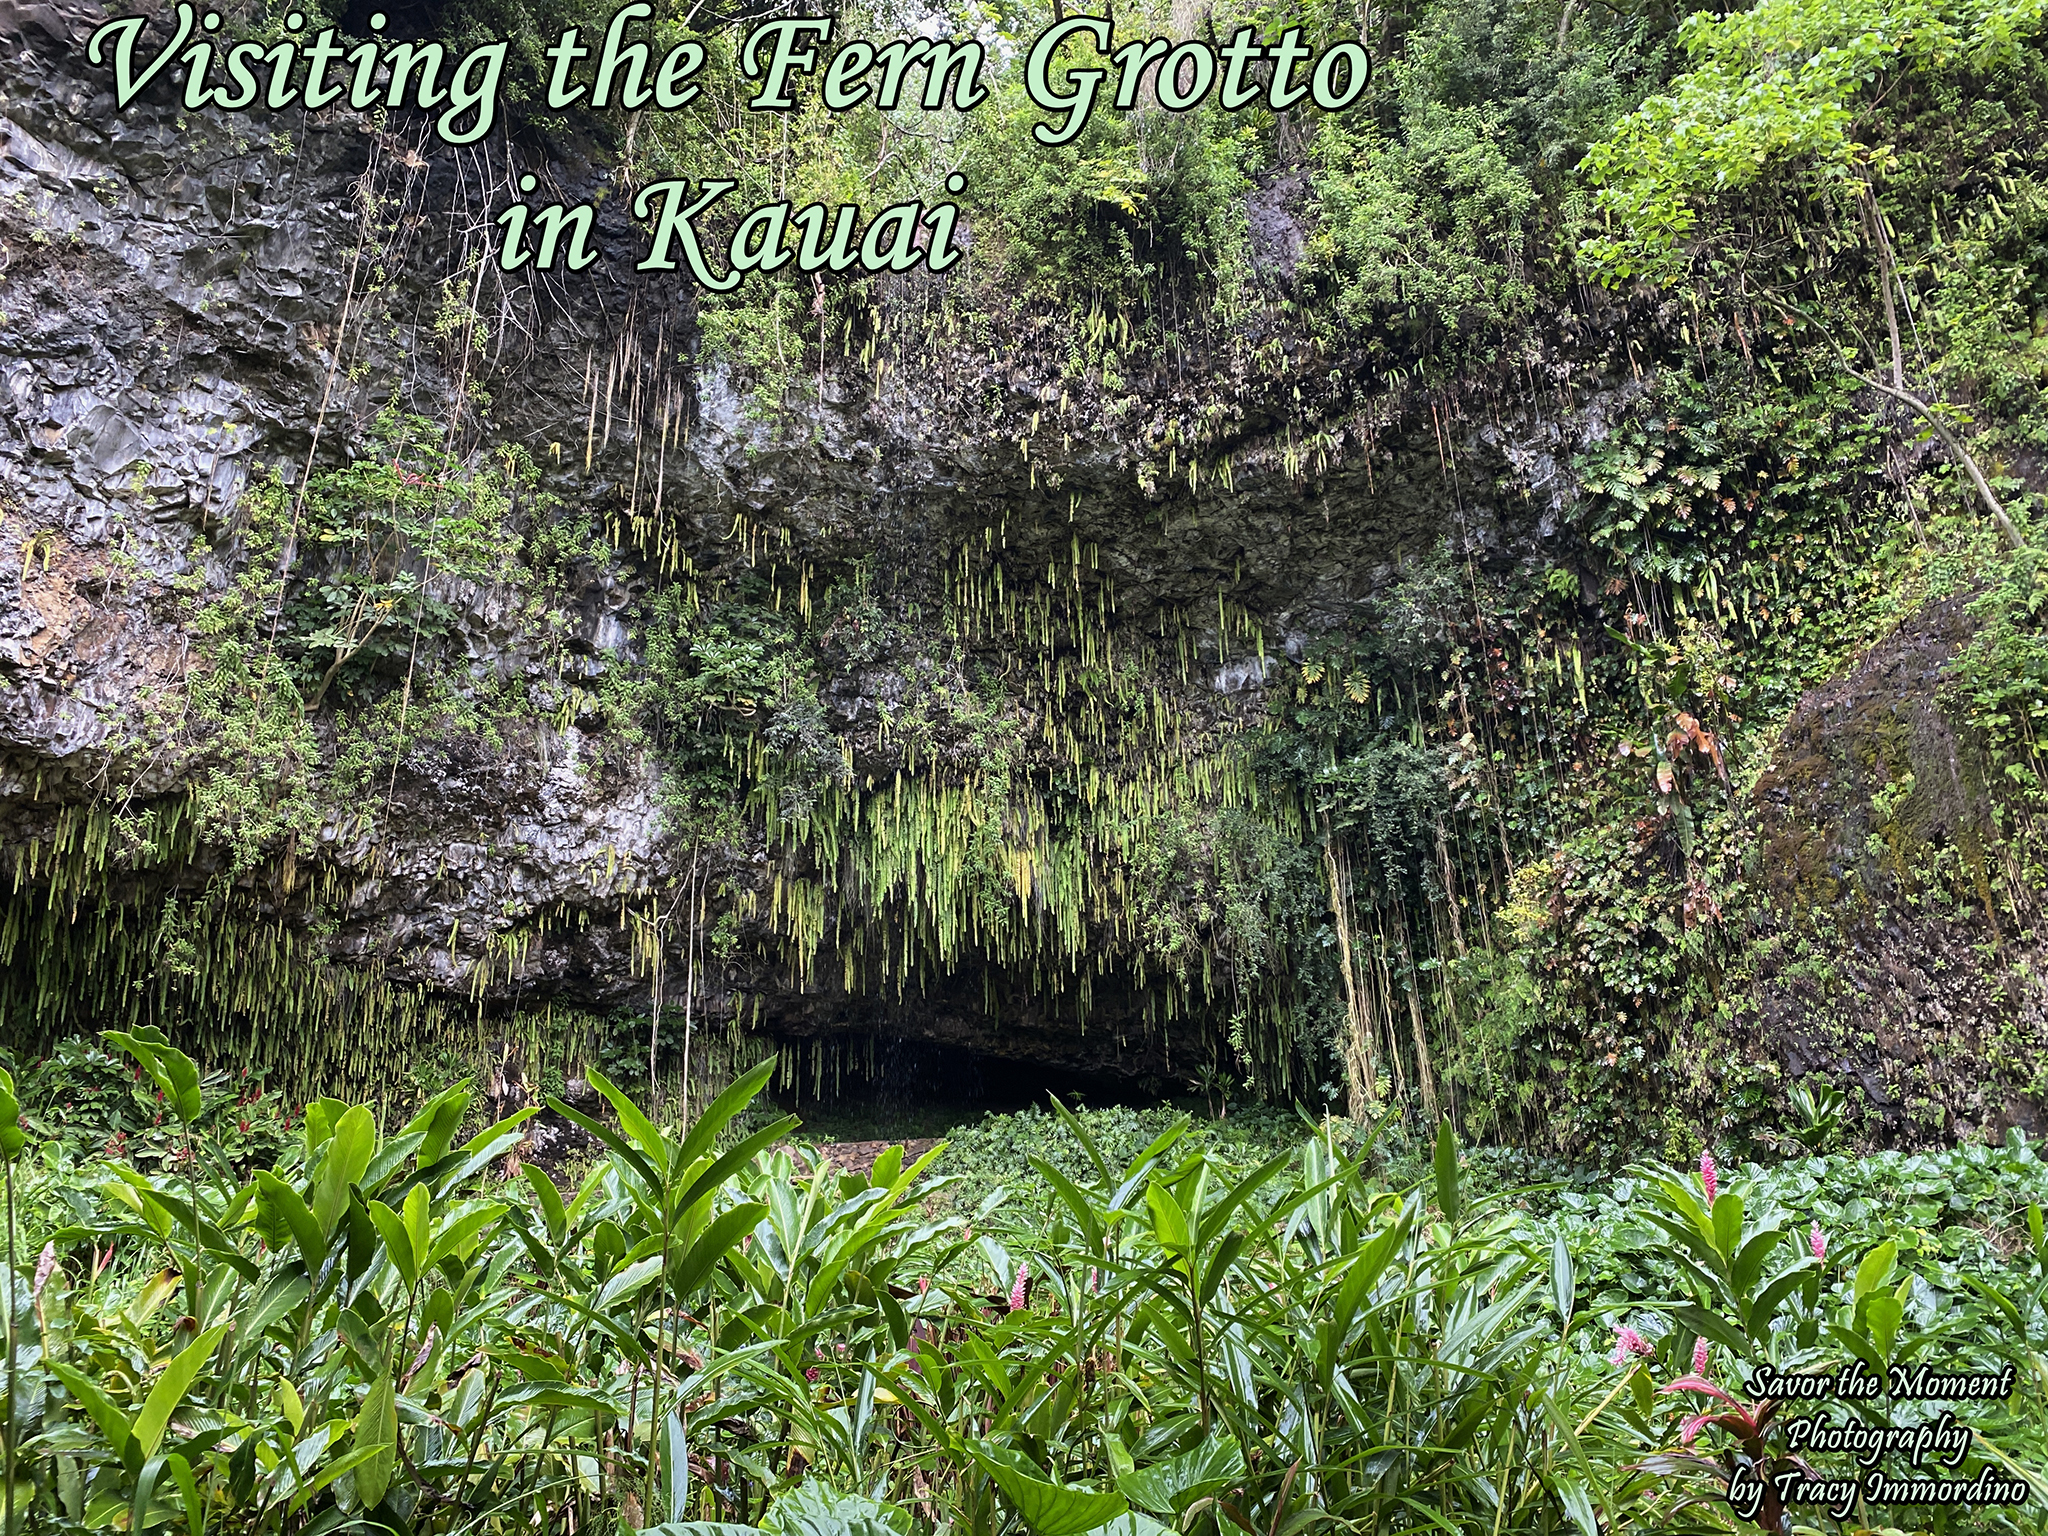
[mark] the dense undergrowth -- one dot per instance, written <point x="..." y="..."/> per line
<point x="1524" y="848"/>
<point x="1490" y="845"/>
<point x="394" y="1326"/>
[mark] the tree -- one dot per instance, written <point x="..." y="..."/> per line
<point x="1790" y="90"/>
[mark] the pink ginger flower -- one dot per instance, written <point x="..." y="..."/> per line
<point x="1710" y="1177"/>
<point x="1628" y="1344"/>
<point x="1817" y="1242"/>
<point x="1740" y="1420"/>
<point x="46" y="1264"/>
<point x="1699" y="1357"/>
<point x="1020" y="1289"/>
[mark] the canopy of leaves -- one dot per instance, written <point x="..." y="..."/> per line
<point x="1783" y="82"/>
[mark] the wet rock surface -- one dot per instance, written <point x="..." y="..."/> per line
<point x="187" y="313"/>
<point x="1887" y="966"/>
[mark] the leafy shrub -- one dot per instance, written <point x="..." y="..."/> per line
<point x="396" y="1330"/>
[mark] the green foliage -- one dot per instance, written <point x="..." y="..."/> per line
<point x="2001" y="678"/>
<point x="1817" y="1264"/>
<point x="1998" y="687"/>
<point x="1784" y="85"/>
<point x="370" y="538"/>
<point x="1489" y="836"/>
<point x="1433" y="225"/>
<point x="245" y="716"/>
<point x="1550" y="93"/>
<point x="699" y="1334"/>
<point x="1703" y="480"/>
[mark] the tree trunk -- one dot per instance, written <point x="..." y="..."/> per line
<point x="1360" y="1079"/>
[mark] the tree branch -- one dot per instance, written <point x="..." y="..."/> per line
<point x="1955" y="447"/>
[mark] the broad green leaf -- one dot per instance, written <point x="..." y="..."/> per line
<point x="188" y="1493"/>
<point x="491" y="1133"/>
<point x="716" y="1174"/>
<point x="351" y="1460"/>
<point x="627" y="1283"/>
<point x="1858" y="1345"/>
<point x="690" y="1270"/>
<point x="12" y="1137"/>
<point x="459" y="1236"/>
<point x="144" y="1304"/>
<point x="347" y="1159"/>
<point x="322" y="1115"/>
<point x="646" y="1135"/>
<point x="1874" y="1270"/>
<point x="1749" y="1263"/>
<point x="1077" y="1204"/>
<point x="1712" y="1326"/>
<point x="377" y="1432"/>
<point x="1171" y="1486"/>
<point x="1140" y="1167"/>
<point x="417" y="1214"/>
<point x="737" y="1095"/>
<point x="550" y="1200"/>
<point x="815" y="1508"/>
<point x="1219" y="1264"/>
<point x="1765" y="1306"/>
<point x="1449" y="1199"/>
<point x="142" y="1508"/>
<point x="1727" y="1226"/>
<point x="438" y="1122"/>
<point x="1572" y="1495"/>
<point x="391" y="1155"/>
<point x="113" y="1423"/>
<point x="170" y="1389"/>
<point x="282" y="1292"/>
<point x="1207" y="1223"/>
<point x="555" y="1394"/>
<point x="1169" y="1221"/>
<point x="1882" y="1314"/>
<point x="1121" y="1465"/>
<point x="168" y="1067"/>
<point x="1079" y="1132"/>
<point x="290" y="1405"/>
<point x="1564" y="1282"/>
<point x="280" y="1200"/>
<point x="675" y="1467"/>
<point x="397" y="1242"/>
<point x="1049" y="1508"/>
<point x="628" y="1154"/>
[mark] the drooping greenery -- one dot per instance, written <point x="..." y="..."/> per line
<point x="1487" y="843"/>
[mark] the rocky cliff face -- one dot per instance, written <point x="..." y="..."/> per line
<point x="191" y="307"/>
<point x="197" y="308"/>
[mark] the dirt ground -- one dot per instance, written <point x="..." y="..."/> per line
<point x="859" y="1156"/>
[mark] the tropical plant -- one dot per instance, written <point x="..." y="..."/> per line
<point x="716" y="1332"/>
